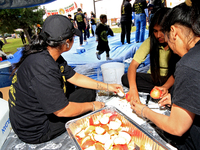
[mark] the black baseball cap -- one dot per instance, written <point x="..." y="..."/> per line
<point x="58" y="28"/>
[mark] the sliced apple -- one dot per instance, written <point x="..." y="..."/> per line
<point x="89" y="129"/>
<point x="94" y="122"/>
<point x="121" y="94"/>
<point x="102" y="138"/>
<point x="119" y="140"/>
<point x="85" y="139"/>
<point x="99" y="146"/>
<point x="87" y="144"/>
<point x="81" y="134"/>
<point x="108" y="144"/>
<point x="115" y="124"/>
<point x="99" y="130"/>
<point x="120" y="147"/>
<point x="105" y="126"/>
<point x="104" y="119"/>
<point x="126" y="136"/>
<point x="113" y="117"/>
<point x="112" y="132"/>
<point x="91" y="148"/>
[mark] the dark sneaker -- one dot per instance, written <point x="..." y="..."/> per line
<point x="98" y="56"/>
<point x="108" y="58"/>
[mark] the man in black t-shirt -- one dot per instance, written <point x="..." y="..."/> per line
<point x="81" y="24"/>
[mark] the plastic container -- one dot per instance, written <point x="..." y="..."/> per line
<point x="80" y="50"/>
<point x="112" y="72"/>
<point x="141" y="137"/>
<point x="5" y="71"/>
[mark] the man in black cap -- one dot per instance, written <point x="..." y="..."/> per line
<point x="81" y="23"/>
<point x="43" y="97"/>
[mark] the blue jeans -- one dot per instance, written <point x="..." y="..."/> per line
<point x="140" y="23"/>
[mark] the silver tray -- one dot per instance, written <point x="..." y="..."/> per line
<point x="143" y="136"/>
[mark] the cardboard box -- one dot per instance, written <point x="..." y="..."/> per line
<point x="5" y="92"/>
<point x="5" y="125"/>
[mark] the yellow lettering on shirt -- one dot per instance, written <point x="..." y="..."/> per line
<point x="12" y="91"/>
<point x="64" y="84"/>
<point x="123" y="10"/>
<point x="64" y="80"/>
<point x="104" y="36"/>
<point x="14" y="79"/>
<point x="79" y="18"/>
<point x="11" y="102"/>
<point x="138" y="8"/>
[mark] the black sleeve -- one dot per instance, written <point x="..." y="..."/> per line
<point x="83" y="16"/>
<point x="97" y="32"/>
<point x="129" y="9"/>
<point x="110" y="32"/>
<point x="144" y="5"/>
<point x="68" y="71"/>
<point x="186" y="89"/>
<point x="133" y="8"/>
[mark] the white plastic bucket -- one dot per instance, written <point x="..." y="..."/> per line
<point x="112" y="72"/>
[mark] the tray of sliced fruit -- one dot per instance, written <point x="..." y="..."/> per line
<point x="110" y="129"/>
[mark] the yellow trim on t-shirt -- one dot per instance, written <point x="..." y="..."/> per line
<point x="141" y="55"/>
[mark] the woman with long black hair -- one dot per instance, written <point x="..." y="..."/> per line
<point x="126" y="21"/>
<point x="162" y="62"/>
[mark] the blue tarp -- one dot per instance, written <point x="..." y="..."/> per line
<point x="117" y="50"/>
<point x="87" y="63"/>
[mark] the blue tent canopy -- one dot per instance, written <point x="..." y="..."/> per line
<point x="13" y="4"/>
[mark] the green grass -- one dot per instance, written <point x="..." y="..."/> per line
<point x="12" y="44"/>
<point x="118" y="30"/>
